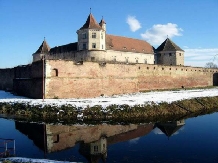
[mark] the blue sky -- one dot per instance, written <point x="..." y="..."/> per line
<point x="191" y="24"/>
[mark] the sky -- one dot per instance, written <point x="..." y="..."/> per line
<point x="191" y="24"/>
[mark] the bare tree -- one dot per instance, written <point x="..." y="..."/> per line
<point x="210" y="65"/>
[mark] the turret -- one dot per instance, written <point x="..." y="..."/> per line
<point x="103" y="24"/>
<point x="43" y="49"/>
<point x="168" y="53"/>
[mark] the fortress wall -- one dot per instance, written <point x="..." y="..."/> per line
<point x="28" y="87"/>
<point x="28" y="80"/>
<point x="6" y="79"/>
<point x="65" y="79"/>
<point x="23" y="71"/>
<point x="92" y="79"/>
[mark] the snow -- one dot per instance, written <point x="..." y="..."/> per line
<point x="125" y="99"/>
<point x="28" y="160"/>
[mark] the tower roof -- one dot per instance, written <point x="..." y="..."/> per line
<point x="168" y="45"/>
<point x="102" y="22"/>
<point x="44" y="48"/>
<point x="91" y="23"/>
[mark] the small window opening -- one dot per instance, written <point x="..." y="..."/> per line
<point x="94" y="35"/>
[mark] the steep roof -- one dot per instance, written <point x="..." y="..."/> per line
<point x="64" y="48"/>
<point x="168" y="45"/>
<point x="91" y="23"/>
<point x="102" y="22"/>
<point x="44" y="47"/>
<point x="119" y="43"/>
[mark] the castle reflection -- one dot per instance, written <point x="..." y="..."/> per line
<point x="93" y="140"/>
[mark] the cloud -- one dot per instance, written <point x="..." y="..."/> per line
<point x="134" y="24"/>
<point x="134" y="141"/>
<point x="157" y="131"/>
<point x="198" y="57"/>
<point x="159" y="32"/>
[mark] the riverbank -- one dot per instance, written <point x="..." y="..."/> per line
<point x="140" y="107"/>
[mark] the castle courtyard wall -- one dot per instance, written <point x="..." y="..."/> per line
<point x="65" y="79"/>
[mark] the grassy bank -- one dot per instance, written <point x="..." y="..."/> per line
<point x="113" y="113"/>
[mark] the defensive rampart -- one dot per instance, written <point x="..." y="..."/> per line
<point x="67" y="79"/>
<point x="6" y="79"/>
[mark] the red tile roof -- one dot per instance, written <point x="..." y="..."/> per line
<point x="119" y="43"/>
<point x="91" y="23"/>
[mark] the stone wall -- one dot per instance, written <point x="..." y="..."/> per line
<point x="65" y="79"/>
<point x="6" y="79"/>
<point x="28" y="80"/>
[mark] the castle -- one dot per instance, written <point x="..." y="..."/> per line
<point x="96" y="46"/>
<point x="101" y="64"/>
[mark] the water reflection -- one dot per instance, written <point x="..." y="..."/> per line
<point x="170" y="128"/>
<point x="93" y="140"/>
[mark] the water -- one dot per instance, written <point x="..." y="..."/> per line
<point x="184" y="141"/>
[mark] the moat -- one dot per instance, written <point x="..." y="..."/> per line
<point x="185" y="140"/>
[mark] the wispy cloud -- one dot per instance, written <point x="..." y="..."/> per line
<point x="134" y="24"/>
<point x="198" y="57"/>
<point x="159" y="32"/>
<point x="157" y="131"/>
<point x="134" y="141"/>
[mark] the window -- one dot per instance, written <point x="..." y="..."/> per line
<point x="101" y="35"/>
<point x="84" y="46"/>
<point x="102" y="46"/>
<point x="95" y="148"/>
<point x="92" y="58"/>
<point x="84" y="36"/>
<point x="170" y="54"/>
<point x="127" y="60"/>
<point x="137" y="61"/>
<point x="180" y="54"/>
<point x="145" y="61"/>
<point x="93" y="35"/>
<point x="93" y="45"/>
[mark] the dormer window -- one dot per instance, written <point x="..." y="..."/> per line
<point x="101" y="35"/>
<point x="93" y="35"/>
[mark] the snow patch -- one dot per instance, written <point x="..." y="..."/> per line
<point x="125" y="99"/>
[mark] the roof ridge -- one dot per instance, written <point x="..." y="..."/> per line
<point x="126" y="37"/>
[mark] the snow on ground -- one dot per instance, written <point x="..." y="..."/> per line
<point x="129" y="99"/>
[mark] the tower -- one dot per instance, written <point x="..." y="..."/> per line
<point x="43" y="49"/>
<point x="91" y="36"/>
<point x="168" y="53"/>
